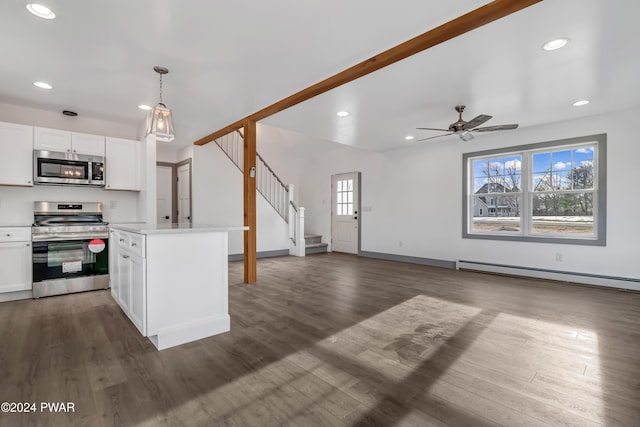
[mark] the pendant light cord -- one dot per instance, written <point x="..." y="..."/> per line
<point x="161" y="88"/>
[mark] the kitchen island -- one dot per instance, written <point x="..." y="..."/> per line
<point x="171" y="280"/>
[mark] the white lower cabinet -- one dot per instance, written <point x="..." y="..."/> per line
<point x="138" y="302"/>
<point x="15" y="259"/>
<point x="124" y="273"/>
<point x="127" y="276"/>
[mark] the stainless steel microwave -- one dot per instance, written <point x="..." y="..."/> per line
<point x="54" y="168"/>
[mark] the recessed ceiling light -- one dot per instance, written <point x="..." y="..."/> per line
<point x="581" y="103"/>
<point x="40" y="11"/>
<point x="343" y="113"/>
<point x="555" y="44"/>
<point x="144" y="107"/>
<point x="42" y="85"/>
<point x="409" y="137"/>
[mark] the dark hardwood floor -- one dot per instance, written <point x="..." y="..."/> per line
<point x="338" y="340"/>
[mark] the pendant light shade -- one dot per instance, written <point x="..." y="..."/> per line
<point x="160" y="121"/>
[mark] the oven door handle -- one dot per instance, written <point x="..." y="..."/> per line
<point x="68" y="236"/>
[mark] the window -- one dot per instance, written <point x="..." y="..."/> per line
<point x="550" y="192"/>
<point x="344" y="197"/>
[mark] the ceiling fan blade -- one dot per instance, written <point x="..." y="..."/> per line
<point x="476" y="121"/>
<point x="441" y="130"/>
<point x="432" y="137"/>
<point x="498" y="127"/>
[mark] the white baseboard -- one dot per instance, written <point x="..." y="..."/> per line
<point x="17" y="295"/>
<point x="187" y="332"/>
<point x="540" y="273"/>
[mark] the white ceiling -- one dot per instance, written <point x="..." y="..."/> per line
<point x="230" y="59"/>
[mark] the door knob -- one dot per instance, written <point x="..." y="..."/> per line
<point x="166" y="217"/>
<point x="355" y="217"/>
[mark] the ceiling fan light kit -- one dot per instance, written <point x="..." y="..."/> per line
<point x="464" y="129"/>
<point x="160" y="121"/>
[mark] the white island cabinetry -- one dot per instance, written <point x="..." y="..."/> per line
<point x="172" y="280"/>
<point x="127" y="276"/>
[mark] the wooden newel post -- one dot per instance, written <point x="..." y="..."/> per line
<point x="250" y="262"/>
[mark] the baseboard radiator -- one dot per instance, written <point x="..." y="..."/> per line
<point x="540" y="273"/>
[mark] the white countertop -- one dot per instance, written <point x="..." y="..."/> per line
<point x="175" y="228"/>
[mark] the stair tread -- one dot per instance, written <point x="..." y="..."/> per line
<point x="309" y="236"/>
<point x="315" y="245"/>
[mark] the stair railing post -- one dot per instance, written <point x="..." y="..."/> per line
<point x="300" y="232"/>
<point x="290" y="216"/>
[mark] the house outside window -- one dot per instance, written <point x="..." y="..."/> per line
<point x="552" y="192"/>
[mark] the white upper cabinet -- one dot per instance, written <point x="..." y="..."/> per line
<point x="16" y="154"/>
<point x="91" y="145"/>
<point x="51" y="140"/>
<point x="68" y="142"/>
<point x="122" y="164"/>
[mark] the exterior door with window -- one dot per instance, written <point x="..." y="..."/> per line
<point x="345" y="212"/>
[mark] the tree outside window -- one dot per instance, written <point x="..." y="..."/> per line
<point x="537" y="192"/>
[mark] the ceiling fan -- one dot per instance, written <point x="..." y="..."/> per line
<point x="463" y="129"/>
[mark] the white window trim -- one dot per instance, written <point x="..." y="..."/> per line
<point x="525" y="234"/>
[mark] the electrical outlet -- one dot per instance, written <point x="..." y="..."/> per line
<point x="558" y="257"/>
<point x="113" y="204"/>
<point x="400" y="243"/>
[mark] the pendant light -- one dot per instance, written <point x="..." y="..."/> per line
<point x="160" y="121"/>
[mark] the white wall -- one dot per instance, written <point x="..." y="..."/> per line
<point x="16" y="203"/>
<point x="166" y="153"/>
<point x="147" y="197"/>
<point x="217" y="193"/>
<point x="56" y="120"/>
<point x="415" y="197"/>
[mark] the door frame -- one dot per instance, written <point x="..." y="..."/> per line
<point x="359" y="187"/>
<point x="174" y="188"/>
<point x="182" y="163"/>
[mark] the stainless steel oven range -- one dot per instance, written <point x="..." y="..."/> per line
<point x="70" y="248"/>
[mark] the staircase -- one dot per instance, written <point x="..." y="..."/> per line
<point x="267" y="182"/>
<point x="313" y="244"/>
<point x="279" y="196"/>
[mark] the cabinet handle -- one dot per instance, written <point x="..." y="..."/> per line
<point x="122" y="240"/>
<point x="8" y="235"/>
<point x="28" y="182"/>
<point x="28" y="244"/>
<point x="134" y="244"/>
<point x="125" y="256"/>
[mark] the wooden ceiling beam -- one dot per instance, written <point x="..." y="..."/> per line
<point x="470" y="21"/>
